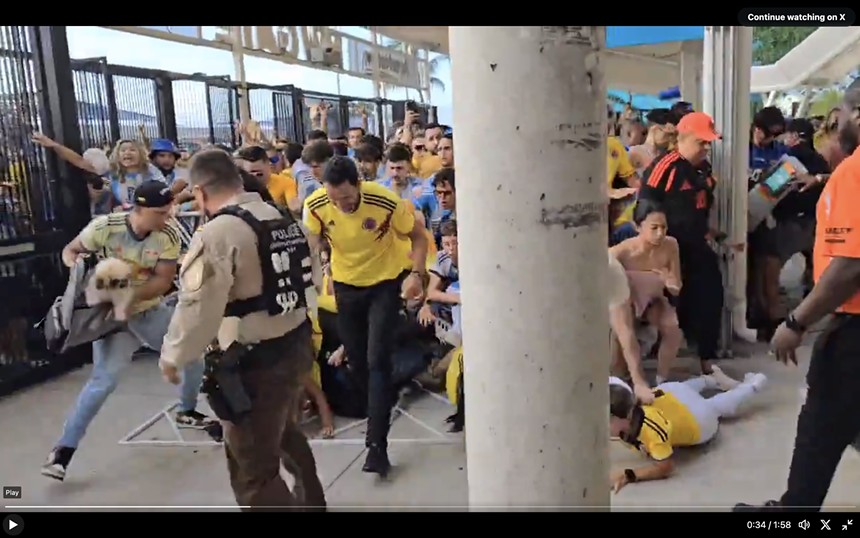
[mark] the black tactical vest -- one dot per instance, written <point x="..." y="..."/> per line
<point x="285" y="258"/>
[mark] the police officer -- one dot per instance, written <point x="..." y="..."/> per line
<point x="244" y="280"/>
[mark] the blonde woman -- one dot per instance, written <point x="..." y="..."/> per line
<point x="826" y="140"/>
<point x="129" y="168"/>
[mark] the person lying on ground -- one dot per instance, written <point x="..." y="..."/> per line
<point x="678" y="417"/>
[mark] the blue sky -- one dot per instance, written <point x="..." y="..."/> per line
<point x="129" y="49"/>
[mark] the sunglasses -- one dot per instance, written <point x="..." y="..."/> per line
<point x="418" y="148"/>
<point x="275" y="159"/>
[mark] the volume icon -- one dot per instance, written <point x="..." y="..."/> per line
<point x="804" y="524"/>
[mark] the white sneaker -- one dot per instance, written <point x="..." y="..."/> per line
<point x="756" y="380"/>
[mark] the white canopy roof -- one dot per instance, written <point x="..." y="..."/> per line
<point x="821" y="59"/>
<point x="647" y="69"/>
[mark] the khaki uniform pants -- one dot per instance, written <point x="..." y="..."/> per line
<point x="268" y="443"/>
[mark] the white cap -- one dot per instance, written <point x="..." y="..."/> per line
<point x="98" y="159"/>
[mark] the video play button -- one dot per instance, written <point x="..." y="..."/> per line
<point x="13" y="525"/>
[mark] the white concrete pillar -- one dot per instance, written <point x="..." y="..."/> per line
<point x="691" y="73"/>
<point x="530" y="117"/>
<point x="727" y="70"/>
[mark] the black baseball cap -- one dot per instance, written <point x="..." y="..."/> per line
<point x="660" y="116"/>
<point x="153" y="193"/>
<point x="802" y="126"/>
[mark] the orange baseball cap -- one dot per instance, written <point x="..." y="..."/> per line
<point x="700" y="125"/>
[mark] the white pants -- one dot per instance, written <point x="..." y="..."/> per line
<point x="708" y="411"/>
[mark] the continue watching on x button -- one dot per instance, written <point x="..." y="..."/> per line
<point x="13" y="525"/>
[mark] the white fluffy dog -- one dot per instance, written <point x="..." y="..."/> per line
<point x="111" y="283"/>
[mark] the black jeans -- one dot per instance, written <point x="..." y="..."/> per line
<point x="700" y="306"/>
<point x="366" y="319"/>
<point x="828" y="421"/>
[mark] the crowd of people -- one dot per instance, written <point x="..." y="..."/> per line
<point x="668" y="287"/>
<point x="402" y="193"/>
<point x="380" y="219"/>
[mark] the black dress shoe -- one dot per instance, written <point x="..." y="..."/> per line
<point x="377" y="461"/>
<point x="769" y="506"/>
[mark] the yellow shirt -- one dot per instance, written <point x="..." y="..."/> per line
<point x="282" y="187"/>
<point x="325" y="300"/>
<point x="667" y="424"/>
<point x="365" y="247"/>
<point x="619" y="165"/>
<point x="112" y="236"/>
<point x="426" y="165"/>
<point x="316" y="335"/>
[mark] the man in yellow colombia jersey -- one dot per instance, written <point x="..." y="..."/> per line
<point x="364" y="223"/>
<point x="679" y="416"/>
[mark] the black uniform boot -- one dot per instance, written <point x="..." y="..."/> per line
<point x="377" y="460"/>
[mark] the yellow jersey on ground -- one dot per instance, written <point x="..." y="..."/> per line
<point x="659" y="428"/>
<point x="366" y="245"/>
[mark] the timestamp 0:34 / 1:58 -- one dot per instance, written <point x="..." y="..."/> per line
<point x="774" y="524"/>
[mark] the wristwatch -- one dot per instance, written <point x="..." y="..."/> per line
<point x="792" y="323"/>
<point x="630" y="475"/>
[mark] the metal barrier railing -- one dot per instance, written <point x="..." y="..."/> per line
<point x="115" y="101"/>
<point x="186" y="223"/>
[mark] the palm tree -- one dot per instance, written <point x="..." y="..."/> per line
<point x="825" y="101"/>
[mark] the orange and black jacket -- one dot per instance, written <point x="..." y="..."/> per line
<point x="684" y="190"/>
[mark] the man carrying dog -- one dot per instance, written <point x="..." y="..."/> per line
<point x="247" y="279"/>
<point x="144" y="240"/>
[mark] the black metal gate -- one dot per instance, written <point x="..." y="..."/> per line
<point x="373" y="109"/>
<point x="337" y="119"/>
<point x="33" y="208"/>
<point x="285" y="118"/>
<point x="222" y="104"/>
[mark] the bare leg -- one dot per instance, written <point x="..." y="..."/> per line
<point x="663" y="316"/>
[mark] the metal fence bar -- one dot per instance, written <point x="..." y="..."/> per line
<point x="35" y="73"/>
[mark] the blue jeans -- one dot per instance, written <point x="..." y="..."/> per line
<point x="111" y="355"/>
